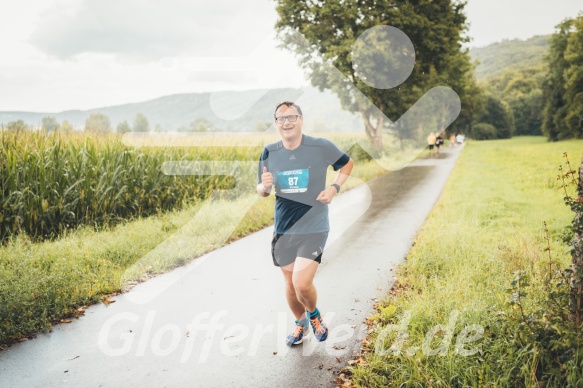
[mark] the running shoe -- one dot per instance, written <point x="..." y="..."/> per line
<point x="320" y="329"/>
<point x="296" y="338"/>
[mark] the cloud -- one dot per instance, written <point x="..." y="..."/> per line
<point x="152" y="29"/>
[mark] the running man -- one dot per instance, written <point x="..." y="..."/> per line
<point x="296" y="166"/>
<point x="438" y="142"/>
<point x="431" y="143"/>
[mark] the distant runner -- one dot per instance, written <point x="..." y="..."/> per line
<point x="431" y="143"/>
<point x="438" y="142"/>
<point x="297" y="167"/>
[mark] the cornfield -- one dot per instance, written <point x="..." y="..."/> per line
<point x="54" y="182"/>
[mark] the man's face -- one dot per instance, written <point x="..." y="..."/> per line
<point x="289" y="131"/>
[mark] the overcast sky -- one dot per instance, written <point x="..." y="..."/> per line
<point x="79" y="54"/>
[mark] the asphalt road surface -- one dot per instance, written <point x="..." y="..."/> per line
<point x="221" y="321"/>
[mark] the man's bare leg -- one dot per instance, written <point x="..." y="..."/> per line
<point x="294" y="304"/>
<point x="303" y="281"/>
<point x="300" y="291"/>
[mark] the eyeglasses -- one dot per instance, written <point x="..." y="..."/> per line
<point x="291" y="119"/>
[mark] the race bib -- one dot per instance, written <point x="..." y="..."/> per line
<point x="293" y="181"/>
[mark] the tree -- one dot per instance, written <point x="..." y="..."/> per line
<point x="497" y="114"/>
<point x="198" y="125"/>
<point x="141" y="123"/>
<point x="123" y="127"/>
<point x="66" y="126"/>
<point x="554" y="113"/>
<point x="472" y="99"/>
<point x="17" y="126"/>
<point x="98" y="123"/>
<point x="521" y="89"/>
<point x="527" y="112"/>
<point x="332" y="28"/>
<point x="484" y="131"/>
<point x="563" y="91"/>
<point x="574" y="79"/>
<point x="49" y="123"/>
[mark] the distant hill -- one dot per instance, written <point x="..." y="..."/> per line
<point x="516" y="54"/>
<point x="228" y="111"/>
<point x="251" y="109"/>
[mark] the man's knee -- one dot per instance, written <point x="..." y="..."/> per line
<point x="289" y="286"/>
<point x="302" y="285"/>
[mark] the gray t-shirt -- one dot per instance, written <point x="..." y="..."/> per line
<point x="299" y="175"/>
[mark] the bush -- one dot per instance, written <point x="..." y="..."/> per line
<point x="484" y="131"/>
<point x="537" y="318"/>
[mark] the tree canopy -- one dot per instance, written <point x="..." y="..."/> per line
<point x="498" y="115"/>
<point x="332" y="30"/>
<point x="17" y="126"/>
<point x="49" y="123"/>
<point x="563" y="86"/>
<point x="123" y="127"/>
<point x="141" y="123"/>
<point x="98" y="123"/>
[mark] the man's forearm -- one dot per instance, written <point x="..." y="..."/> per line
<point x="344" y="173"/>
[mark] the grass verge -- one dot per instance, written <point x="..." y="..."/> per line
<point x="452" y="301"/>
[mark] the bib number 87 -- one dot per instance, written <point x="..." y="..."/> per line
<point x="292" y="181"/>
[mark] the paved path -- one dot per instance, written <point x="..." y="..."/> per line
<point x="221" y="320"/>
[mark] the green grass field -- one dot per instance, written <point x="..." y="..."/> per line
<point x="487" y="224"/>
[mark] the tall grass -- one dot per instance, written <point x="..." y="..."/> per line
<point x="54" y="182"/>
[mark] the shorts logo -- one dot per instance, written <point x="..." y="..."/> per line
<point x="315" y="253"/>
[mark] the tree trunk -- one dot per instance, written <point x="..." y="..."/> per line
<point x="369" y="129"/>
<point x="576" y="306"/>
<point x="374" y="133"/>
<point x="377" y="143"/>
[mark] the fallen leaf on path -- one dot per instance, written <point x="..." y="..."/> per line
<point x="66" y="321"/>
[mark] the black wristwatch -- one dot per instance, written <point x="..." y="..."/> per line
<point x="336" y="187"/>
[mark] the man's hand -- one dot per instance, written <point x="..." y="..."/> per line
<point x="266" y="181"/>
<point x="327" y="195"/>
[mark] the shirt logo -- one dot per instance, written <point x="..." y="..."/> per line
<point x="292" y="157"/>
